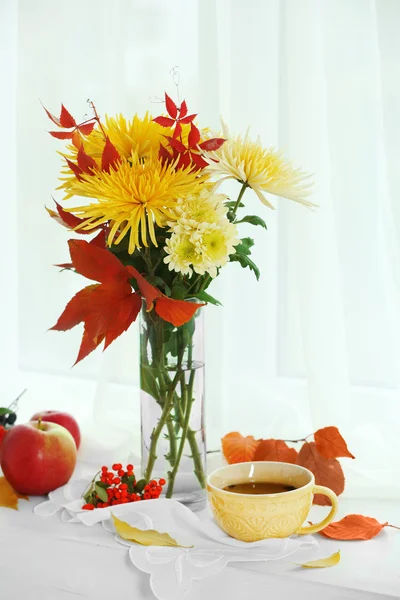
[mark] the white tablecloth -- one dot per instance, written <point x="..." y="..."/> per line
<point x="46" y="559"/>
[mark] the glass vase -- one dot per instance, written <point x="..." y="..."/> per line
<point x="172" y="405"/>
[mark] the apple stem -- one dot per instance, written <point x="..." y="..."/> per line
<point x="40" y="424"/>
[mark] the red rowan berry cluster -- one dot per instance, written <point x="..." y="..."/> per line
<point x="120" y="487"/>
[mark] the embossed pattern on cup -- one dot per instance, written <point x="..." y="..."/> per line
<point x="249" y="517"/>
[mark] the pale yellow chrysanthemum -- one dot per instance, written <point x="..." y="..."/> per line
<point x="216" y="243"/>
<point x="263" y="170"/>
<point x="133" y="197"/>
<point x="183" y="255"/>
<point x="195" y="209"/>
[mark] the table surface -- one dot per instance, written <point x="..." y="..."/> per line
<point x="46" y="559"/>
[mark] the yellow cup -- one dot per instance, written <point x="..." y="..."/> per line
<point x="253" y="517"/>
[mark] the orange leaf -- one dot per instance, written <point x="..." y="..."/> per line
<point x="86" y="128"/>
<point x="275" y="450"/>
<point x="8" y="496"/>
<point x="330" y="443"/>
<point x="77" y="171"/>
<point x="86" y="162"/>
<point x="66" y="219"/>
<point x="177" y="312"/>
<point x="66" y="119"/>
<point x="354" y="527"/>
<point x="148" y="291"/>
<point x="76" y="310"/>
<point x="62" y="135"/>
<point x="76" y="139"/>
<point x="110" y="156"/>
<point x="96" y="263"/>
<point x="327" y="471"/>
<point x="236" y="448"/>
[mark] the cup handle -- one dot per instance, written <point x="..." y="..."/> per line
<point x="320" y="489"/>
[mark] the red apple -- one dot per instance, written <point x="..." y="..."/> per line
<point x="37" y="458"/>
<point x="62" y="418"/>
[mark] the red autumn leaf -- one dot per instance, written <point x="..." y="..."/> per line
<point x="62" y="135"/>
<point x="176" y="144"/>
<point x="69" y="220"/>
<point x="331" y="444"/>
<point x="212" y="144"/>
<point x="96" y="263"/>
<point x="88" y="344"/>
<point x="172" y="109"/>
<point x="184" y="161"/>
<point x="76" y="139"/>
<point x="99" y="239"/>
<point x="164" y="121"/>
<point x="86" y="128"/>
<point x="236" y="448"/>
<point x="164" y="155"/>
<point x="177" y="312"/>
<point x="187" y="119"/>
<point x="198" y="160"/>
<point x="86" y="162"/>
<point x="148" y="291"/>
<point x="183" y="109"/>
<point x="194" y="136"/>
<point x="55" y="119"/>
<point x="354" y="527"/>
<point x="110" y="156"/>
<point x="126" y="313"/>
<point x="177" y="130"/>
<point x="275" y="450"/>
<point x="327" y="471"/>
<point x="66" y="119"/>
<point x="76" y="310"/>
<point x="77" y="171"/>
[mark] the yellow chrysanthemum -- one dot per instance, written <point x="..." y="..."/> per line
<point x="264" y="170"/>
<point x="133" y="197"/>
<point x="141" y="136"/>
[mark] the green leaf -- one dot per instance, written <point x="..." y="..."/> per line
<point x="139" y="487"/>
<point x="101" y="492"/>
<point x="178" y="291"/>
<point x="204" y="297"/>
<point x="103" y="484"/>
<point x="231" y="204"/>
<point x="245" y="261"/>
<point x="148" y="382"/>
<point x="6" y="411"/>
<point x="253" y="220"/>
<point x="158" y="282"/>
<point x="244" y="246"/>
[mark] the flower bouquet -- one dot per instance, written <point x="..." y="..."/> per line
<point x="161" y="230"/>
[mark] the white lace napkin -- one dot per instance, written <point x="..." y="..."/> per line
<point x="173" y="570"/>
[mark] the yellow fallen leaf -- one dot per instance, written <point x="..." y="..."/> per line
<point x="322" y="563"/>
<point x="149" y="537"/>
<point x="8" y="496"/>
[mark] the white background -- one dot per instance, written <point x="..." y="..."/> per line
<point x="316" y="341"/>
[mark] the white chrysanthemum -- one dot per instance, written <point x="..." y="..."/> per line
<point x="196" y="209"/>
<point x="183" y="255"/>
<point x="216" y="243"/>
<point x="263" y="170"/>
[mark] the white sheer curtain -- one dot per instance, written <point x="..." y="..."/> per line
<point x="316" y="341"/>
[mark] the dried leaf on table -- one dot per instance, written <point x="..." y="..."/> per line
<point x="275" y="450"/>
<point x="8" y="496"/>
<point x="330" y="443"/>
<point x="237" y="448"/>
<point x="354" y="527"/>
<point x="149" y="537"/>
<point x="322" y="563"/>
<point x="327" y="471"/>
